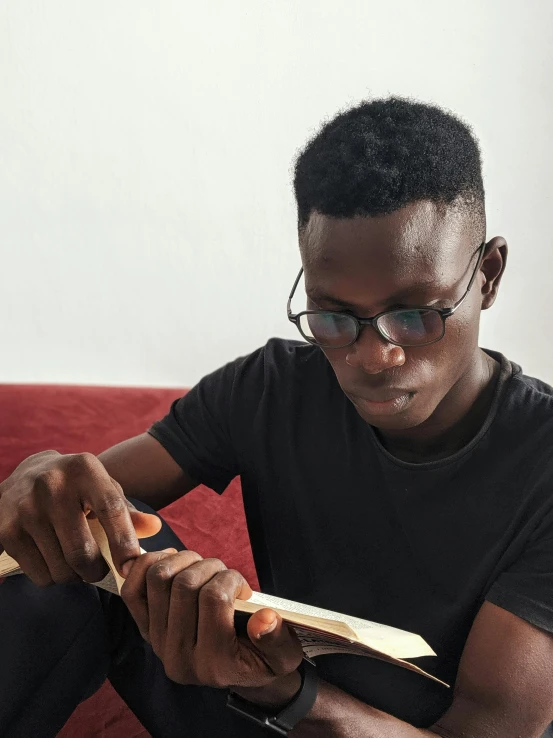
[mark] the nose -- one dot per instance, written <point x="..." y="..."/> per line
<point x="373" y="354"/>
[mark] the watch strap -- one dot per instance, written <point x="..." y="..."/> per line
<point x="285" y="720"/>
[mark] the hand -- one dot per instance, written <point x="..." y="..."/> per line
<point x="43" y="510"/>
<point x="184" y="606"/>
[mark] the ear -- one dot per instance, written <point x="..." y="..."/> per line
<point x="493" y="266"/>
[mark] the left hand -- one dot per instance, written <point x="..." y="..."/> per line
<point x="184" y="607"/>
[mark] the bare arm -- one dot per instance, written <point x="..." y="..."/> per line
<point x="145" y="470"/>
<point x="504" y="689"/>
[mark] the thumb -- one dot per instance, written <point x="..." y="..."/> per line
<point x="278" y="643"/>
<point x="145" y="524"/>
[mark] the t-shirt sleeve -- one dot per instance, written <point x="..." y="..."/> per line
<point x="199" y="430"/>
<point x="526" y="587"/>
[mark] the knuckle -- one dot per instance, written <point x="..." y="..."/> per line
<point x="187" y="581"/>
<point x="49" y="481"/>
<point x="26" y="509"/>
<point x="80" y="465"/>
<point x="159" y="575"/>
<point x="111" y="506"/>
<point x="217" y="594"/>
<point x="216" y="564"/>
<point x="10" y="533"/>
<point x="227" y="581"/>
<point x="125" y="541"/>
<point x="234" y="576"/>
<point x="82" y="556"/>
<point x="84" y="463"/>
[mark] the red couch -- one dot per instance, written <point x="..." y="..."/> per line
<point x="73" y="419"/>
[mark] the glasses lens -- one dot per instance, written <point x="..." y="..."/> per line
<point x="412" y="327"/>
<point x="329" y="330"/>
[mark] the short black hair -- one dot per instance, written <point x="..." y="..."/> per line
<point x="383" y="154"/>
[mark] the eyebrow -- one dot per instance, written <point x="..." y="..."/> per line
<point x="398" y="297"/>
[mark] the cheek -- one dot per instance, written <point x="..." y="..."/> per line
<point x="442" y="364"/>
<point x="460" y="340"/>
<point x="337" y="360"/>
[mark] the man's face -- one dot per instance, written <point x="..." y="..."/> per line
<point x="417" y="256"/>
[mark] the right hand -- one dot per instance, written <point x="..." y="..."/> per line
<point x="43" y="509"/>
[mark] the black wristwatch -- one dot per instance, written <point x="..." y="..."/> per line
<point x="283" y="722"/>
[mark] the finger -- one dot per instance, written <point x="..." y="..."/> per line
<point x="185" y="589"/>
<point x="134" y="590"/>
<point x="49" y="546"/>
<point x="33" y="524"/>
<point x="78" y="547"/>
<point x="109" y="504"/>
<point x="278" y="645"/>
<point x="182" y="622"/>
<point x="160" y="581"/>
<point x="145" y="524"/>
<point x="217" y="647"/>
<point x="24" y="550"/>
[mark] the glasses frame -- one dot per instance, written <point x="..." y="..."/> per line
<point x="360" y="323"/>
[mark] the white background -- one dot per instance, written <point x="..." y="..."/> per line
<point x="147" y="224"/>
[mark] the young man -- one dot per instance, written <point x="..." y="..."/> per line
<point x="391" y="469"/>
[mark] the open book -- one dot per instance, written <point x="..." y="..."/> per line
<point x="320" y="631"/>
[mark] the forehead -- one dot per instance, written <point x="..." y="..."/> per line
<point x="421" y="244"/>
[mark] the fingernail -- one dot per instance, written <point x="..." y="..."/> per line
<point x="169" y="550"/>
<point x="126" y="568"/>
<point x="268" y="629"/>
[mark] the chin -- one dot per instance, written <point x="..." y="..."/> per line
<point x="393" y="424"/>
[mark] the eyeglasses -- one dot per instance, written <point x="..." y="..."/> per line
<point x="405" y="327"/>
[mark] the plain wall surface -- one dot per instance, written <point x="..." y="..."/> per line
<point x="147" y="224"/>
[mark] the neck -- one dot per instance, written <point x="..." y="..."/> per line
<point x="456" y="420"/>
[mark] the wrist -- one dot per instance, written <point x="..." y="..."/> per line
<point x="275" y="695"/>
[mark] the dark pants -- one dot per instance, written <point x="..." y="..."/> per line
<point x="59" y="644"/>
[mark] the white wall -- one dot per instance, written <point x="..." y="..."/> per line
<point x="145" y="152"/>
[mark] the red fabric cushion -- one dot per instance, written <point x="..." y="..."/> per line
<point x="72" y="419"/>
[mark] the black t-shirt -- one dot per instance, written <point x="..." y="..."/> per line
<point x="336" y="521"/>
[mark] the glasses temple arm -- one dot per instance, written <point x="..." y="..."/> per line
<point x="481" y="249"/>
<point x="289" y="305"/>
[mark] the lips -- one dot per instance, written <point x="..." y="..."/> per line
<point x="388" y="403"/>
<point x="384" y="396"/>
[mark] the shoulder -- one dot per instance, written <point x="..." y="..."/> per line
<point x="525" y="422"/>
<point x="536" y="390"/>
<point x="529" y="397"/>
<point x="278" y="364"/>
<point x="273" y="382"/>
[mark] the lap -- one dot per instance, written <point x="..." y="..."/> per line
<point x="60" y="643"/>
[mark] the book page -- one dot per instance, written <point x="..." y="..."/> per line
<point x="317" y="644"/>
<point x="391" y="641"/>
<point x="320" y="631"/>
<point x="8" y="566"/>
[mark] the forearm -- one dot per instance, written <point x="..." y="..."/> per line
<point x="335" y="714"/>
<point x="146" y="471"/>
